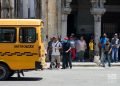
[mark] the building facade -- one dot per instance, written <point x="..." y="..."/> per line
<point x="63" y="17"/>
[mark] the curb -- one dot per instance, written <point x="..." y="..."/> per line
<point x="89" y="64"/>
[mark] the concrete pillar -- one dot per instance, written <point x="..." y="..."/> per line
<point x="6" y="9"/>
<point x="52" y="18"/>
<point x="31" y="9"/>
<point x="66" y="9"/>
<point x="12" y="5"/>
<point x="97" y="11"/>
<point x="44" y="13"/>
<point x="25" y="8"/>
<point x="64" y="26"/>
<point x="97" y="31"/>
<point x="59" y="18"/>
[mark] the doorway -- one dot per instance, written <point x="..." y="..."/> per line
<point x="111" y="19"/>
<point x="111" y="23"/>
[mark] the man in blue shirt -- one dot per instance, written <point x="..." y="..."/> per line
<point x="103" y="41"/>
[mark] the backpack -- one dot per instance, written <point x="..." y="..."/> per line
<point x="60" y="45"/>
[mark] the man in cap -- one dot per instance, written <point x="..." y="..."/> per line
<point x="115" y="47"/>
<point x="56" y="46"/>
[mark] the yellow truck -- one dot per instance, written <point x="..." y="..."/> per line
<point x="20" y="46"/>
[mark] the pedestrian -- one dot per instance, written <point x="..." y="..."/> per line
<point x="119" y="49"/>
<point x="49" y="48"/>
<point x="66" y="54"/>
<point x="103" y="41"/>
<point x="77" y="49"/>
<point x="56" y="46"/>
<point x="91" y="50"/>
<point x="80" y="48"/>
<point x="73" y="50"/>
<point x="115" y="47"/>
<point x="107" y="51"/>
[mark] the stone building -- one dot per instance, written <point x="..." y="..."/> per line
<point x="63" y="17"/>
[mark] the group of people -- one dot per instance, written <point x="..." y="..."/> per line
<point x="67" y="50"/>
<point x="57" y="49"/>
<point x="72" y="48"/>
<point x="109" y="49"/>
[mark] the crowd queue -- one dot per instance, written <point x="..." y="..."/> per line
<point x="74" y="49"/>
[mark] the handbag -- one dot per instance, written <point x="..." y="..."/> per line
<point x="97" y="60"/>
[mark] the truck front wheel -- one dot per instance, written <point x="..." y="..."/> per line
<point x="4" y="72"/>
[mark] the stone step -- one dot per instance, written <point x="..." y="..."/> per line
<point x="88" y="64"/>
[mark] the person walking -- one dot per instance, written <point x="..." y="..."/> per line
<point x="107" y="51"/>
<point x="66" y="54"/>
<point x="119" y="48"/>
<point x="115" y="47"/>
<point x="91" y="50"/>
<point x="56" y="46"/>
<point x="73" y="50"/>
<point x="49" y="48"/>
<point x="81" y="47"/>
<point x="103" y="41"/>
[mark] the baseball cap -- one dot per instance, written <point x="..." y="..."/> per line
<point x="66" y="38"/>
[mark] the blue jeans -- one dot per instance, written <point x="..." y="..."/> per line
<point x="114" y="54"/>
<point x="106" y="58"/>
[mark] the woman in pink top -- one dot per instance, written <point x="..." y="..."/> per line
<point x="81" y="47"/>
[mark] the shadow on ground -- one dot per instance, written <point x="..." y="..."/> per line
<point x="24" y="79"/>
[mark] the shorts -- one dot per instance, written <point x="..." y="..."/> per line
<point x="55" y="58"/>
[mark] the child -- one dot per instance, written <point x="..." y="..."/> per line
<point x="91" y="50"/>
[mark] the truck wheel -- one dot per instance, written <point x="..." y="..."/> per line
<point x="11" y="73"/>
<point x="4" y="72"/>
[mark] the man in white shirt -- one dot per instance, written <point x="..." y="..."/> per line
<point x="56" y="46"/>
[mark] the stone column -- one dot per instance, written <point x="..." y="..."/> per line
<point x="66" y="9"/>
<point x="44" y="15"/>
<point x="44" y="12"/>
<point x="6" y="9"/>
<point x="32" y="8"/>
<point x="25" y="8"/>
<point x="64" y="26"/>
<point x="97" y="11"/>
<point x="97" y="31"/>
<point x="52" y="18"/>
<point x="59" y="19"/>
<point x="12" y="10"/>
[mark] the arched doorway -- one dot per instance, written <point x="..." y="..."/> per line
<point x="71" y="22"/>
<point x="80" y="21"/>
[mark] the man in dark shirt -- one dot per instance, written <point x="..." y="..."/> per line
<point x="49" y="50"/>
<point x="107" y="51"/>
<point x="66" y="54"/>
